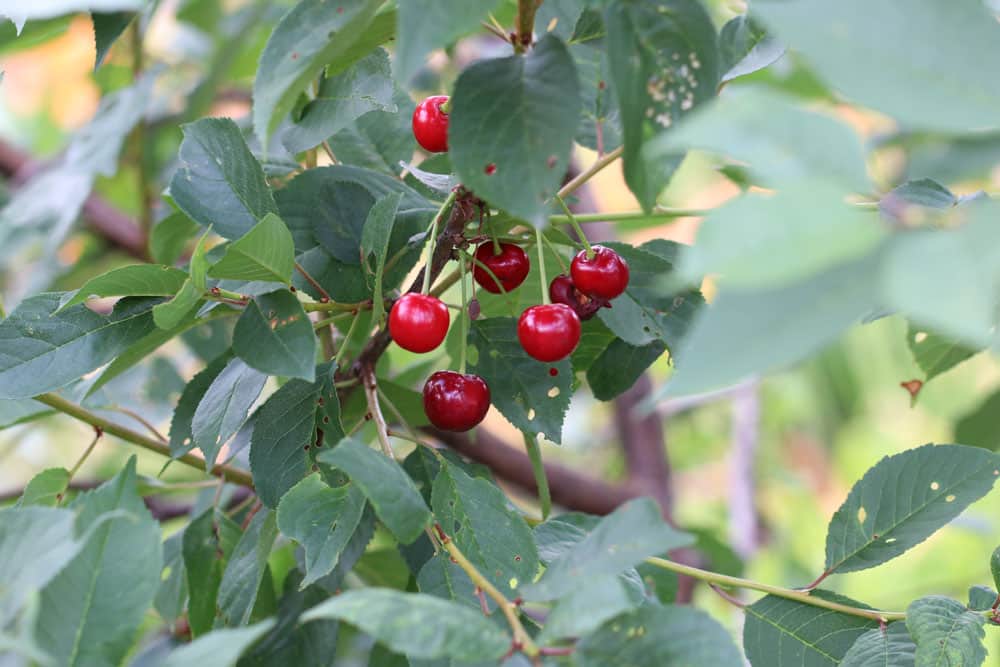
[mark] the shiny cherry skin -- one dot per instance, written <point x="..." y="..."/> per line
<point x="510" y="267"/>
<point x="430" y="124"/>
<point x="549" y="332"/>
<point x="605" y="275"/>
<point x="455" y="402"/>
<point x="418" y="322"/>
<point x="562" y="290"/>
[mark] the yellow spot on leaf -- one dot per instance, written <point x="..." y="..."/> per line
<point x="512" y="583"/>
<point x="862" y="515"/>
<point x="935" y="486"/>
<point x="949" y="498"/>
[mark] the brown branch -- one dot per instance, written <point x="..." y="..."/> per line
<point x="570" y="489"/>
<point x="102" y="218"/>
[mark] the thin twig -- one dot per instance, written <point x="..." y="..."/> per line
<point x="371" y="395"/>
<point x="312" y="281"/>
<point x="586" y="175"/>
<point x="139" y="418"/>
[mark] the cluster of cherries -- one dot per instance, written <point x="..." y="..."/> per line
<point x="547" y="332"/>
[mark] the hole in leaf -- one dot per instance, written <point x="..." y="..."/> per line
<point x="862" y="515"/>
<point x="920" y="337"/>
<point x="890" y="540"/>
<point x="531" y="414"/>
<point x="552" y="393"/>
<point x="935" y="486"/>
<point x="513" y="583"/>
<point x="552" y="24"/>
<point x="949" y="498"/>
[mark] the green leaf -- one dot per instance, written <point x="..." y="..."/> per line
<point x="45" y="489"/>
<point x="266" y="253"/>
<point x="916" y="197"/>
<point x="108" y="27"/>
<point x="274" y="335"/>
<point x="618" y="367"/>
<point x="891" y="647"/>
<point x="42" y="350"/>
<point x="745" y="47"/>
<point x="134" y="280"/>
<point x="935" y="354"/>
<point x="246" y="569"/>
<point x="515" y="154"/>
<point x="417" y="625"/>
<point x="283" y="432"/>
<point x="181" y="434"/>
<point x="309" y="38"/>
<point x="442" y="577"/>
<point x="803" y="230"/>
<point x="476" y="514"/>
<point x="664" y="62"/>
<point x="583" y="610"/>
<point x="780" y="142"/>
<point x="224" y="407"/>
<point x="323" y="520"/>
<point x="946" y="632"/>
<point x="379" y="140"/>
<point x="855" y="49"/>
<point x="904" y="499"/>
<point x="982" y="598"/>
<point x="523" y="389"/>
<point x="169" y="236"/>
<point x="364" y="86"/>
<point x="785" y="633"/>
<point x="948" y="279"/>
<point x="744" y="332"/>
<point x="119" y="570"/>
<point x="600" y="126"/>
<point x="391" y="491"/>
<point x="670" y="636"/>
<point x="219" y="183"/>
<point x="208" y="540"/>
<point x="375" y="239"/>
<point x="425" y="25"/>
<point x="42" y="9"/>
<point x="18" y="411"/>
<point x="36" y="543"/>
<point x="622" y="539"/>
<point x="979" y="426"/>
<point x="171" y="598"/>
<point x="646" y="312"/>
<point x="171" y="314"/>
<point x="219" y="648"/>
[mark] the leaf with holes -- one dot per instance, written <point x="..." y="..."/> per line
<point x="891" y="647"/>
<point x="266" y="253"/>
<point x="509" y="132"/>
<point x="621" y="540"/>
<point x="310" y="37"/>
<point x="488" y="530"/>
<point x="417" y="625"/>
<point x="784" y="633"/>
<point x="224" y="407"/>
<point x="664" y="62"/>
<point x="946" y="633"/>
<point x="323" y="520"/>
<point x="281" y="437"/>
<point x="275" y="336"/>
<point x="934" y="353"/>
<point x="904" y="499"/>
<point x="42" y="349"/>
<point x="391" y="491"/>
<point x="654" y="635"/>
<point x="219" y="183"/>
<point x="532" y="395"/>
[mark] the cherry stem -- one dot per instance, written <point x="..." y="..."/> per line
<point x="445" y="107"/>
<point x="371" y="395"/>
<point x="538" y="468"/>
<point x="493" y="277"/>
<point x="347" y="338"/>
<point x="555" y="251"/>
<point x="312" y="281"/>
<point x="521" y="636"/>
<point x="98" y="432"/>
<point x="576" y="226"/>
<point x="541" y="265"/>
<point x="319" y="324"/>
<point x="464" y="317"/>
<point x="432" y="242"/>
<point x="588" y="174"/>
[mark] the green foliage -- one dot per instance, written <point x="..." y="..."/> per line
<point x="945" y="632"/>
<point x="274" y="336"/>
<point x="891" y="647"/>
<point x="264" y="253"/>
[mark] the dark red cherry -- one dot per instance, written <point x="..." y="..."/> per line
<point x="430" y="124"/>
<point x="510" y="266"/>
<point x="455" y="402"/>
<point x="605" y="275"/>
<point x="418" y="322"/>
<point x="562" y="290"/>
<point x="549" y="332"/>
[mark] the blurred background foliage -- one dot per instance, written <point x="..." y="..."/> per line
<point x="816" y="427"/>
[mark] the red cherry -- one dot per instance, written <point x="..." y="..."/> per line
<point x="418" y="322"/>
<point x="430" y="124"/>
<point x="604" y="275"/>
<point x="455" y="402"/>
<point x="510" y="267"/>
<point x="549" y="332"/>
<point x="562" y="290"/>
